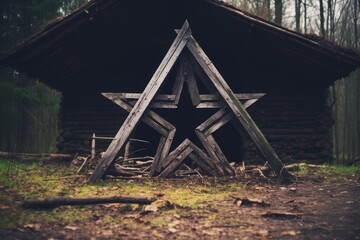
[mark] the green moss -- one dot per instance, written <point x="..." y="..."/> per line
<point x="328" y="169"/>
<point x="157" y="222"/>
<point x="43" y="179"/>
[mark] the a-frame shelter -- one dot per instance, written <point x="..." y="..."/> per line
<point x="212" y="161"/>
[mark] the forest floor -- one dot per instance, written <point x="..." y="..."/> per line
<point x="321" y="204"/>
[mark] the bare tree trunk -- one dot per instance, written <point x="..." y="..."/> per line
<point x="305" y="16"/>
<point x="331" y="16"/>
<point x="322" y="19"/>
<point x="356" y="38"/>
<point x="268" y="9"/>
<point x="278" y="11"/>
<point x="297" y="14"/>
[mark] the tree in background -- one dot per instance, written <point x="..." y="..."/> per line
<point x="29" y="109"/>
<point x="338" y="21"/>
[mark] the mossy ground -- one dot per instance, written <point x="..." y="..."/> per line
<point x="35" y="180"/>
<point x="187" y="208"/>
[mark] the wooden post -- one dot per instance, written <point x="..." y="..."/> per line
<point x="93" y="142"/>
<point x="127" y="150"/>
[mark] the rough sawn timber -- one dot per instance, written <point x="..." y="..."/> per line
<point x="143" y="102"/>
<point x="237" y="108"/>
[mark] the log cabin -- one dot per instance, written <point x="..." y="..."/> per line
<point x="116" y="46"/>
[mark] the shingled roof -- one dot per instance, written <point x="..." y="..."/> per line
<point x="106" y="34"/>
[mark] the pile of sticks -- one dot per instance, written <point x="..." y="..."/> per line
<point x="136" y="167"/>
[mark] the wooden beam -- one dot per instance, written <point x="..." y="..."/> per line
<point x="176" y="157"/>
<point x="240" y="96"/>
<point x="179" y="80"/>
<point x="175" y="152"/>
<point x="237" y="108"/>
<point x="162" y="152"/>
<point x="191" y="83"/>
<point x="151" y="118"/>
<point x="143" y="102"/>
<point x="205" y="162"/>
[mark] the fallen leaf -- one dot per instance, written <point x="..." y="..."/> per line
<point x="238" y="202"/>
<point x="209" y="232"/>
<point x="263" y="232"/>
<point x="73" y="228"/>
<point x="289" y="233"/>
<point x="172" y="229"/>
<point x="34" y="227"/>
<point x="151" y="208"/>
<point x="4" y="207"/>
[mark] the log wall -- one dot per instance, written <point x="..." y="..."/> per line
<point x="295" y="125"/>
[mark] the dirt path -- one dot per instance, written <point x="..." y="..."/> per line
<point x="310" y="208"/>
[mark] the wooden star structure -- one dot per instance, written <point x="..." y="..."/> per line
<point x="192" y="64"/>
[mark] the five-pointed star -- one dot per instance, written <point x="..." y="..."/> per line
<point x="213" y="161"/>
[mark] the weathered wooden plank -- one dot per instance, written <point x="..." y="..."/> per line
<point x="179" y="80"/>
<point x="165" y="162"/>
<point x="191" y="83"/>
<point x="157" y="104"/>
<point x="203" y="160"/>
<point x="168" y="105"/>
<point x="240" y="96"/>
<point x="211" y="105"/>
<point x="180" y="155"/>
<point x="217" y="123"/>
<point x="143" y="102"/>
<point x="168" y="143"/>
<point x="136" y="96"/>
<point x="249" y="102"/>
<point x="221" y="156"/>
<point x="239" y="111"/>
<point x="157" y="163"/>
<point x="211" y="152"/>
<point x="202" y="75"/>
<point x="214" y="127"/>
<point x="215" y="117"/>
<point x="199" y="161"/>
<point x="165" y="149"/>
<point x="151" y="118"/>
<point x="146" y="118"/>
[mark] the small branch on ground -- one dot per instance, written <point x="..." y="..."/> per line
<point x="247" y="201"/>
<point x="56" y="202"/>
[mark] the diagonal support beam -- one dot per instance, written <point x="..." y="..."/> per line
<point x="143" y="102"/>
<point x="237" y="108"/>
<point x="156" y="122"/>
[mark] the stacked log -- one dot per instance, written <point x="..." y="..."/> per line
<point x="295" y="125"/>
<point x="81" y="117"/>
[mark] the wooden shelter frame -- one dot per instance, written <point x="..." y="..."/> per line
<point x="139" y="106"/>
